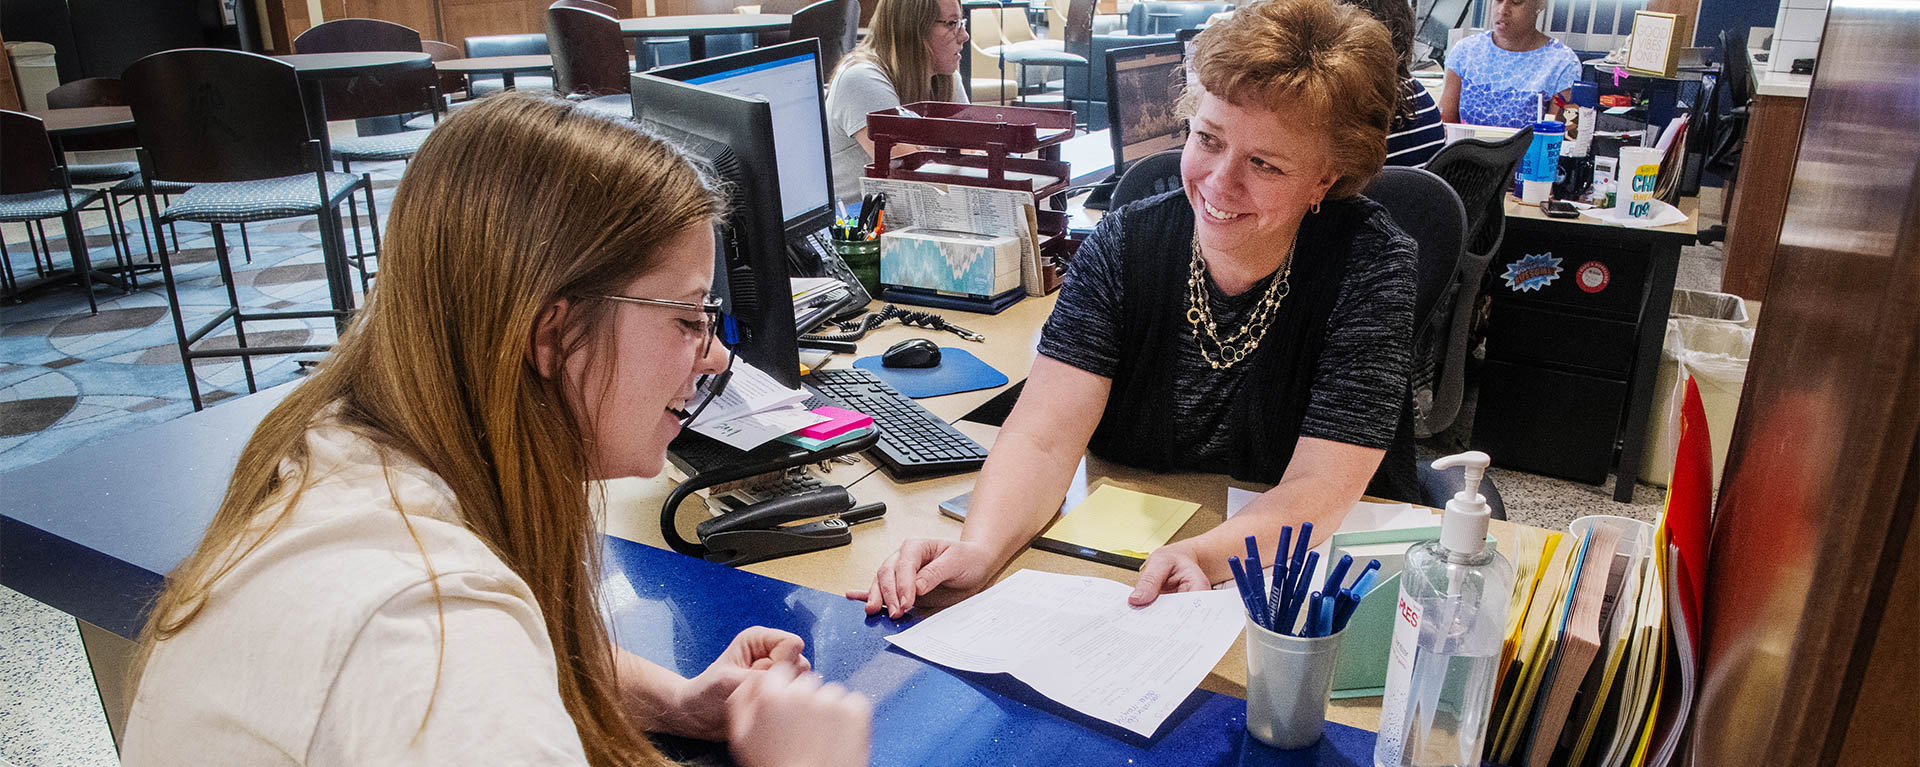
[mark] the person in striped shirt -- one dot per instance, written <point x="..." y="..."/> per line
<point x="1417" y="133"/>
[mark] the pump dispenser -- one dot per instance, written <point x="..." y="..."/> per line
<point x="1447" y="633"/>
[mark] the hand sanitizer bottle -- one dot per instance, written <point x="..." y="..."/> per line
<point x="1448" y="628"/>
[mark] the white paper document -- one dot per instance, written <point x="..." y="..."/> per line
<point x="1075" y="640"/>
<point x="750" y="391"/>
<point x="750" y="431"/>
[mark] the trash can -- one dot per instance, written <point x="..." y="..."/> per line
<point x="33" y="65"/>
<point x="1708" y="339"/>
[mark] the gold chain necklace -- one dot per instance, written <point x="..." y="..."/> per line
<point x="1240" y="344"/>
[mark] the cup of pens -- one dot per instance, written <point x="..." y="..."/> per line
<point x="1294" y="626"/>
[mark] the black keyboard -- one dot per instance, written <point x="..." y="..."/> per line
<point x="913" y="442"/>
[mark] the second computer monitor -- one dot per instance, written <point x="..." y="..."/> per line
<point x="1144" y="85"/>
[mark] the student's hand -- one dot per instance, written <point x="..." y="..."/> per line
<point x="1169" y="569"/>
<point x="930" y="571"/>
<point x="784" y="717"/>
<point x="700" y="708"/>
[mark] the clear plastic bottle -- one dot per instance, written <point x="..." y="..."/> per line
<point x="1450" y="622"/>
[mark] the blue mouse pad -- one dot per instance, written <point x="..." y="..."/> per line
<point x="958" y="371"/>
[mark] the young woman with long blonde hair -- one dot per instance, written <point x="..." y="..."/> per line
<point x="404" y="568"/>
<point x="912" y="53"/>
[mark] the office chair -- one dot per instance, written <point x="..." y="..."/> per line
<point x="1480" y="172"/>
<point x="1728" y="133"/>
<point x="1428" y="210"/>
<point x="1153" y="174"/>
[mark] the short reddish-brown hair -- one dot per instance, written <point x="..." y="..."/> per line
<point x="1324" y="60"/>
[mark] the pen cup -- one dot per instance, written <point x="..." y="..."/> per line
<point x="863" y="258"/>
<point x="1288" y="679"/>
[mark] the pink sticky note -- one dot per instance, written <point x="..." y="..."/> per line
<point x="840" y="422"/>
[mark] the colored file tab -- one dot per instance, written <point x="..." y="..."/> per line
<point x="839" y="422"/>
<point x="1121" y="521"/>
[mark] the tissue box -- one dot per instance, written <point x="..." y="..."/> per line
<point x="950" y="262"/>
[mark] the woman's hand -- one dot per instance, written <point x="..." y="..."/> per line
<point x="699" y="707"/>
<point x="931" y="571"/>
<point x="785" y="717"/>
<point x="1169" y="569"/>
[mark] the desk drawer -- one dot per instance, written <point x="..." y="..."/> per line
<point x="1548" y="421"/>
<point x="1532" y="333"/>
<point x="1597" y="275"/>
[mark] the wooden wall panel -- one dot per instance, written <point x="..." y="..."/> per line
<point x="1759" y="201"/>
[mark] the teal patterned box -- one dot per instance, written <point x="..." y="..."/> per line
<point x="950" y="262"/>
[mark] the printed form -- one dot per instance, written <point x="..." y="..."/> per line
<point x="1075" y="640"/>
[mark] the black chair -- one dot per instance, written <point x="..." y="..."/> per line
<point x="368" y="97"/>
<point x="526" y="44"/>
<point x="103" y="92"/>
<point x="234" y="126"/>
<point x="826" y="21"/>
<point x="1076" y="48"/>
<point x="589" y="54"/>
<point x="1727" y="134"/>
<point x="34" y="186"/>
<point x="1480" y="172"/>
<point x="1153" y="174"/>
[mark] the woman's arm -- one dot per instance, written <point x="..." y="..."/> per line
<point x="1322" y="482"/>
<point x="860" y="137"/>
<point x="1449" y="99"/>
<point x="1019" y="490"/>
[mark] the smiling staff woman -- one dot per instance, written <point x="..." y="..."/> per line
<point x="1256" y="322"/>
<point x="911" y="53"/>
<point x="405" y="568"/>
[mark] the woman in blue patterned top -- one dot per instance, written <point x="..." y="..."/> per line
<point x="1494" y="78"/>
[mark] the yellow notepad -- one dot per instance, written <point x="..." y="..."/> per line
<point x="1122" y="521"/>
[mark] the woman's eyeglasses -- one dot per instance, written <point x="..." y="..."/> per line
<point x="952" y="25"/>
<point x="708" y="387"/>
<point x="708" y="309"/>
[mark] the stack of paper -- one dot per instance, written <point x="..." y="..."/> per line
<point x="1075" y="640"/>
<point x="1121" y="521"/>
<point x="754" y="408"/>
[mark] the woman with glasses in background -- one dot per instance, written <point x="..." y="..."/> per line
<point x="405" y="568"/>
<point x="912" y="53"/>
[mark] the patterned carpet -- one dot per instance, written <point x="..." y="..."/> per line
<point x="68" y="377"/>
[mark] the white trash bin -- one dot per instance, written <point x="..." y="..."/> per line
<point x="33" y="64"/>
<point x="1706" y="337"/>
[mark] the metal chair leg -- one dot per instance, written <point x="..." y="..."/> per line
<point x="233" y="299"/>
<point x="179" y="323"/>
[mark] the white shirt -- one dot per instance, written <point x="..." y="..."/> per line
<point x="858" y="89"/>
<point x="320" y="646"/>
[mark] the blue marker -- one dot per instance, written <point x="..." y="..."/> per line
<point x="1256" y="576"/>
<point x="1323" y="622"/>
<point x="1337" y="576"/>
<point x="1240" y="581"/>
<point x="1282" y="577"/>
<point x="1313" y="617"/>
<point x="1299" y="598"/>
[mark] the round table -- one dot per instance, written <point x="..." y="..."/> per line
<point x="697" y="26"/>
<point x="80" y="121"/>
<point x="504" y="66"/>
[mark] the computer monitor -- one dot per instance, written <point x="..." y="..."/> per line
<point x="723" y="111"/>
<point x="1441" y="16"/>
<point x="1144" y="84"/>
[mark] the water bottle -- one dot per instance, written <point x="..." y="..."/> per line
<point x="1542" y="161"/>
<point x="1447" y="632"/>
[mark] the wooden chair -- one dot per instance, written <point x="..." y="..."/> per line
<point x="233" y="125"/>
<point x="589" y="53"/>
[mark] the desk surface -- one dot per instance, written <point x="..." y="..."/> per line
<point x="704" y="24"/>
<point x="493" y="64"/>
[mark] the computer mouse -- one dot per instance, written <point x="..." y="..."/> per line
<point x="911" y="353"/>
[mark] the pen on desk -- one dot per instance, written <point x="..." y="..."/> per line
<point x="865" y="513"/>
<point x="1258" y="579"/>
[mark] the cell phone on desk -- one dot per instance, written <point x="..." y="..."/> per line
<point x="1559" y="209"/>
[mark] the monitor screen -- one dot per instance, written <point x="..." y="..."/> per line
<point x="787" y="77"/>
<point x="1144" y="85"/>
<point x="1441" y="17"/>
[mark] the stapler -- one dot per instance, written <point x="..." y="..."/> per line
<point x="759" y="532"/>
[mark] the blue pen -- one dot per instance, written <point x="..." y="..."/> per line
<point x="1336" y="577"/>
<point x="1323" y="623"/>
<point x="1364" y="583"/>
<point x="1240" y="581"/>
<point x="1257" y="577"/>
<point x="1295" y="602"/>
<point x="1313" y="617"/>
<point x="1294" y="574"/>
<point x="1277" y="595"/>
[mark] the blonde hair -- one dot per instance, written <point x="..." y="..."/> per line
<point x="511" y="205"/>
<point x="1329" y="62"/>
<point x="897" y="44"/>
